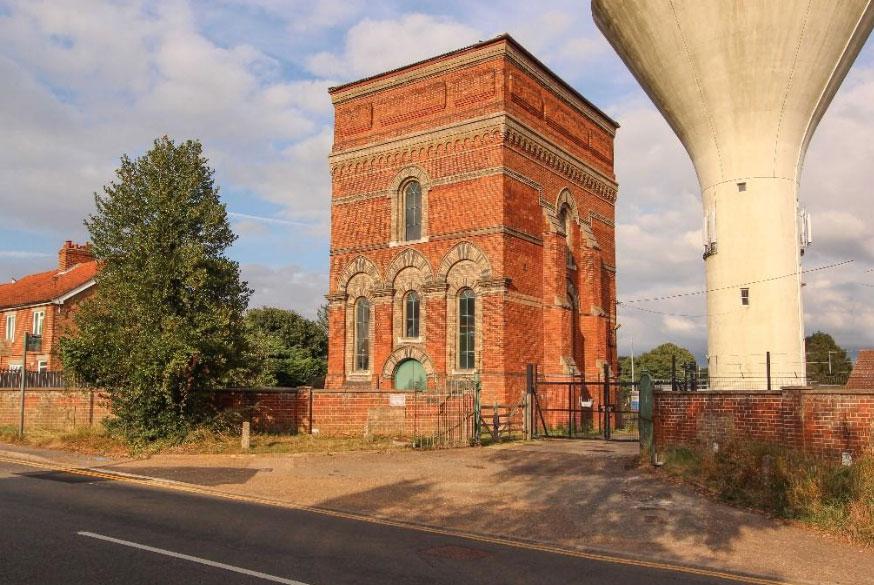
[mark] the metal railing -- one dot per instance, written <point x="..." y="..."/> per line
<point x="10" y="378"/>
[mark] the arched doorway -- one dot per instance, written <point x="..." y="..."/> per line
<point x="410" y="375"/>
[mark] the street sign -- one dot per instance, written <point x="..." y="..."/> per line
<point x="33" y="342"/>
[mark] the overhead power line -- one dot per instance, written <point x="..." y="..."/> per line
<point x="702" y="292"/>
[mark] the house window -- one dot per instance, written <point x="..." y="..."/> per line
<point x="42" y="366"/>
<point x="362" y="334"/>
<point x="10" y="327"/>
<point x="411" y="314"/>
<point x="466" y="329"/>
<point x="38" y="319"/>
<point x="413" y="211"/>
<point x="745" y="296"/>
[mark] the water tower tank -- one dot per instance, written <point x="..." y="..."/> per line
<point x="743" y="83"/>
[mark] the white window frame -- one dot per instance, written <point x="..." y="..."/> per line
<point x="42" y="366"/>
<point x="10" y="327"/>
<point x="39" y="318"/>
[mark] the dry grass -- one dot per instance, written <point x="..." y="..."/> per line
<point x="97" y="441"/>
<point x="210" y="442"/>
<point x="786" y="483"/>
<point x="86" y="440"/>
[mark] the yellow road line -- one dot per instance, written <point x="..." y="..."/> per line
<point x="191" y="489"/>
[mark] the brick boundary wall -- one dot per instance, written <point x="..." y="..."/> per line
<point x="52" y="408"/>
<point x="280" y="410"/>
<point x="346" y="412"/>
<point x="823" y="421"/>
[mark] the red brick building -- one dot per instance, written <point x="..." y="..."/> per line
<point x="472" y="225"/>
<point x="43" y="304"/>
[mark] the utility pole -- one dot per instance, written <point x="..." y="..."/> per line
<point x="23" y="383"/>
<point x="830" y="361"/>
<point x="632" y="359"/>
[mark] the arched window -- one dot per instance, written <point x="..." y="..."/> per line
<point x="466" y="329"/>
<point x="566" y="221"/>
<point x="565" y="218"/>
<point x="413" y="211"/>
<point x="362" y="334"/>
<point x="574" y="302"/>
<point x="411" y="314"/>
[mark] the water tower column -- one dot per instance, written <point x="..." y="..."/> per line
<point x="752" y="270"/>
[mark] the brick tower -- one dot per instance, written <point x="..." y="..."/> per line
<point x="472" y="225"/>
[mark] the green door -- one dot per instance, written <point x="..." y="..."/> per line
<point x="410" y="375"/>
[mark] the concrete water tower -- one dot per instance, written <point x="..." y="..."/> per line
<point x="743" y="83"/>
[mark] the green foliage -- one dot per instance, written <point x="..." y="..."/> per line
<point x="657" y="362"/>
<point x="166" y="321"/>
<point x="785" y="482"/>
<point x="296" y="347"/>
<point x="820" y="348"/>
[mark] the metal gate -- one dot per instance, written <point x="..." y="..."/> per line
<point x="574" y="407"/>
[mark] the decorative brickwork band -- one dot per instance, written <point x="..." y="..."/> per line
<point x="465" y="251"/>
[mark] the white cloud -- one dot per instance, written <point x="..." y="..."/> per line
<point x="23" y="254"/>
<point x="372" y="46"/>
<point x="288" y="287"/>
<point x="81" y="87"/>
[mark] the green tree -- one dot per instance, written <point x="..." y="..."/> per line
<point x="297" y="347"/>
<point x="657" y="362"/>
<point x="826" y="360"/>
<point x="166" y="322"/>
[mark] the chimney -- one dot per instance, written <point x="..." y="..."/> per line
<point x="71" y="254"/>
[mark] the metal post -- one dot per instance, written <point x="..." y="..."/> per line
<point x="23" y="383"/>
<point x="311" y="411"/>
<point x="674" y="373"/>
<point x="477" y="413"/>
<point x="529" y="410"/>
<point x="496" y="423"/>
<point x="570" y="409"/>
<point x="768" y="367"/>
<point x="645" y="412"/>
<point x="607" y="401"/>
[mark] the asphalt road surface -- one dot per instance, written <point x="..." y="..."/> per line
<point x="57" y="527"/>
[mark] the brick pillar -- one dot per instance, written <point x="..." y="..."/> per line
<point x="791" y="432"/>
<point x="382" y="334"/>
<point x="434" y="292"/>
<point x="336" y="340"/>
<point x="494" y="344"/>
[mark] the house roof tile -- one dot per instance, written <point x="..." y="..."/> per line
<point x="862" y="376"/>
<point x="44" y="287"/>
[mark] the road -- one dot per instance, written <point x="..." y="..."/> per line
<point x="57" y="527"/>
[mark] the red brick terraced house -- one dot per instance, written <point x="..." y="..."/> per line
<point x="472" y="226"/>
<point x="43" y="304"/>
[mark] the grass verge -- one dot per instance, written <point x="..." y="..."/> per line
<point x="97" y="441"/>
<point x="786" y="483"/>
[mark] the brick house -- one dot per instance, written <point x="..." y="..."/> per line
<point x="43" y="304"/>
<point x="472" y="228"/>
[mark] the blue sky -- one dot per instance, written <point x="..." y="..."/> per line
<point x="85" y="82"/>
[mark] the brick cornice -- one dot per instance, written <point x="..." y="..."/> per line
<point x="466" y="58"/>
<point x="489" y="130"/>
<point x="535" y="146"/>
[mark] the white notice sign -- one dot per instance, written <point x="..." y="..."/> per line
<point x="397" y="399"/>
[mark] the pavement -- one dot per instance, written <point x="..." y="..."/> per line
<point x="581" y="500"/>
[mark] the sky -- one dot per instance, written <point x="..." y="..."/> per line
<point x="84" y="82"/>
